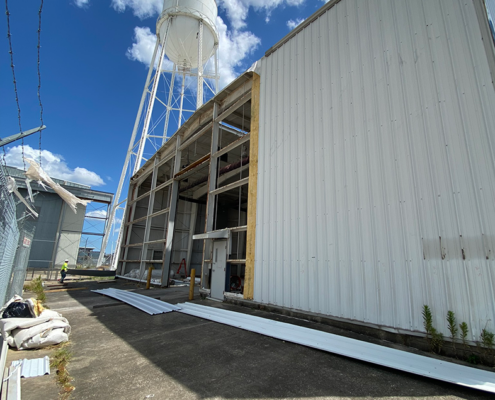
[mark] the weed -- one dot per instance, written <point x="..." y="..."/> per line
<point x="434" y="338"/>
<point x="488" y="341"/>
<point x="59" y="361"/>
<point x="36" y="286"/>
<point x="436" y="341"/>
<point x="453" y="329"/>
<point x="473" y="359"/>
<point x="487" y="338"/>
<point x="464" y="333"/>
<point x="427" y="322"/>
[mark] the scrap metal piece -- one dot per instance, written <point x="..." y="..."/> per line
<point x="369" y="352"/>
<point x="143" y="303"/>
<point x="33" y="367"/>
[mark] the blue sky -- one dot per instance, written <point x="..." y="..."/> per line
<point x="94" y="56"/>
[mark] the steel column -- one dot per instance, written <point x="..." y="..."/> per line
<point x="169" y="104"/>
<point x="212" y="184"/>
<point x="199" y="100"/>
<point x="174" y="195"/>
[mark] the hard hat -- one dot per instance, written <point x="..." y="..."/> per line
<point x="66" y="260"/>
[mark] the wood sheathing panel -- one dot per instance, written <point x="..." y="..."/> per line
<point x="253" y="185"/>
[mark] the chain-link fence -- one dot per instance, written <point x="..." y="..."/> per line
<point x="19" y="269"/>
<point x="9" y="236"/>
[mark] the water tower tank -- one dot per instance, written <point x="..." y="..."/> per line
<point x="182" y="41"/>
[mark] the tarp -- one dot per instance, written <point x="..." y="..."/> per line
<point x="32" y="333"/>
<point x="36" y="173"/>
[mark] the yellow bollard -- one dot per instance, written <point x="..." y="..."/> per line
<point x="191" y="284"/>
<point x="148" y="281"/>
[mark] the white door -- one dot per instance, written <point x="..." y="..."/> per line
<point x="219" y="264"/>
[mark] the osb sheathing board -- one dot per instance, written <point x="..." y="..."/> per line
<point x="253" y="184"/>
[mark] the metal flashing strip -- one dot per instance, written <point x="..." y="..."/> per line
<point x="143" y="303"/>
<point x="387" y="357"/>
<point x="11" y="384"/>
<point x="33" y="367"/>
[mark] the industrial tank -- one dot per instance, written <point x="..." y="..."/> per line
<point x="183" y="33"/>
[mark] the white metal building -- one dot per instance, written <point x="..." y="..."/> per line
<point x="369" y="187"/>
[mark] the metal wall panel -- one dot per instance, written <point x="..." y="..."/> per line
<point x="376" y="178"/>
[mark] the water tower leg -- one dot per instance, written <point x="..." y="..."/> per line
<point x="182" y="97"/>
<point x="116" y="199"/>
<point x="169" y="104"/>
<point x="199" y="101"/>
<point x="154" y="87"/>
<point x="216" y="70"/>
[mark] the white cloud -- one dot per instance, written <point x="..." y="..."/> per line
<point x="117" y="222"/>
<point x="237" y="10"/>
<point x="235" y="46"/>
<point x="97" y="214"/>
<point x="54" y="165"/>
<point x="81" y="3"/>
<point x="141" y="8"/>
<point x="143" y="47"/>
<point x="291" y="24"/>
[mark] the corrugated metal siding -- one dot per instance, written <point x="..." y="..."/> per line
<point x="376" y="140"/>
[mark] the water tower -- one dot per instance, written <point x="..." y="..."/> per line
<point x="187" y="36"/>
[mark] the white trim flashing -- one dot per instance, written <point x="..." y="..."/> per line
<point x="388" y="357"/>
<point x="143" y="303"/>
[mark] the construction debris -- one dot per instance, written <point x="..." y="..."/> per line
<point x="36" y="173"/>
<point x="143" y="303"/>
<point x="33" y="367"/>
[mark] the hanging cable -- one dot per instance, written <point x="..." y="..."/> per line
<point x="39" y="74"/>
<point x="7" y="13"/>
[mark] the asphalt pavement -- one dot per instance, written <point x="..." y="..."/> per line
<point x="120" y="352"/>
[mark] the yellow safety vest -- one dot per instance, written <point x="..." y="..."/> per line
<point x="64" y="267"/>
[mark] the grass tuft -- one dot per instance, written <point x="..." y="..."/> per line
<point x="59" y="361"/>
<point x="36" y="286"/>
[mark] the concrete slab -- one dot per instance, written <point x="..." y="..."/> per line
<point x="123" y="353"/>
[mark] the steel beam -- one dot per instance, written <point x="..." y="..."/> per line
<point x="230" y="186"/>
<point x="232" y="145"/>
<point x="17" y="136"/>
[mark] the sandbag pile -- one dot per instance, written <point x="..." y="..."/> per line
<point x="27" y="325"/>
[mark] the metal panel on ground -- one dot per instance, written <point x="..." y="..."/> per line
<point x="377" y="169"/>
<point x="369" y="352"/>
<point x="33" y="367"/>
<point x="143" y="303"/>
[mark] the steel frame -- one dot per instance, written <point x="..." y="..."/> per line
<point x="152" y="79"/>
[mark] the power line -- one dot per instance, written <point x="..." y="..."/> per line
<point x="39" y="74"/>
<point x="13" y="75"/>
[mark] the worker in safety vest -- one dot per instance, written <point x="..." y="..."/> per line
<point x="63" y="270"/>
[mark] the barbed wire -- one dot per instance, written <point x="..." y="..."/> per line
<point x="39" y="73"/>
<point x="15" y="82"/>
